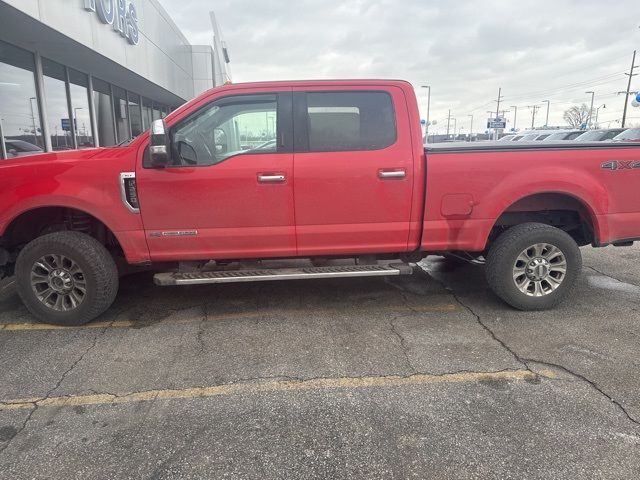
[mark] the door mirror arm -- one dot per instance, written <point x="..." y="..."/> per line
<point x="159" y="151"/>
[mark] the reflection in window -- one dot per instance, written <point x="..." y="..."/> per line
<point x="231" y="126"/>
<point x="19" y="112"/>
<point x="104" y="113"/>
<point x="122" y="114"/>
<point x="55" y="94"/>
<point x="80" y="107"/>
<point x="134" y="113"/>
<point x="157" y="114"/>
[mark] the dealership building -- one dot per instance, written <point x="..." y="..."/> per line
<point x="85" y="73"/>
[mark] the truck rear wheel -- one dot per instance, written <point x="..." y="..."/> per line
<point x="66" y="278"/>
<point x="533" y="266"/>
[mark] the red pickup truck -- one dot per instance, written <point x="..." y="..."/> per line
<point x="277" y="180"/>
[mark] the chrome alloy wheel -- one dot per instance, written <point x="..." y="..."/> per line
<point x="539" y="270"/>
<point x="58" y="282"/>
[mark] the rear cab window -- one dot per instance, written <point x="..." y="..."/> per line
<point x="346" y="121"/>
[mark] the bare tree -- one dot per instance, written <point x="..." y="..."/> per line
<point x="576" y="116"/>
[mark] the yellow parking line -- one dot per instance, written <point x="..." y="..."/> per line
<point x="275" y="386"/>
<point x="19" y="327"/>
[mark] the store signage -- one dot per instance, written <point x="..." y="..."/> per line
<point x="499" y="123"/>
<point x="121" y="14"/>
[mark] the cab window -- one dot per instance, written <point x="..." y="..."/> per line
<point x="225" y="128"/>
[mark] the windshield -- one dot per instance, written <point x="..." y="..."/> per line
<point x="531" y="136"/>
<point x="592" y="136"/>
<point x="631" y="134"/>
<point x="556" y="136"/>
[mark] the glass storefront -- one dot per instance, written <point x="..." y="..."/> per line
<point x="104" y="113"/>
<point x="135" y="115"/>
<point x="121" y="110"/>
<point x="68" y="104"/>
<point x="147" y="112"/>
<point x="55" y="95"/>
<point x="78" y="89"/>
<point x="20" y="125"/>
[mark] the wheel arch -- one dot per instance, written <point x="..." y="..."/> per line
<point x="558" y="208"/>
<point x="33" y="222"/>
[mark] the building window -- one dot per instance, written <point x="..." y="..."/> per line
<point x="121" y="111"/>
<point x="78" y="87"/>
<point x="55" y="94"/>
<point x="147" y="113"/>
<point x="104" y="112"/>
<point x="135" y="114"/>
<point x="19" y="114"/>
<point x="157" y="112"/>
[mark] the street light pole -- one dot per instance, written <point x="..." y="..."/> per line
<point x="546" y="123"/>
<point x="515" y="116"/>
<point x="598" y="111"/>
<point x="593" y="94"/>
<point x="455" y="125"/>
<point x="426" y="128"/>
<point x="33" y="120"/>
<point x="448" y="122"/>
<point x="471" y="127"/>
<point x="626" y="97"/>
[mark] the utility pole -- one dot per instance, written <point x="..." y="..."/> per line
<point x="515" y="116"/>
<point x="626" y="97"/>
<point x="495" y="130"/>
<point x="593" y="94"/>
<point x="534" y="110"/>
<point x="455" y="126"/>
<point x="448" y="122"/>
<point x="546" y="123"/>
<point x="426" y="128"/>
<point x="598" y="111"/>
<point x="471" y="127"/>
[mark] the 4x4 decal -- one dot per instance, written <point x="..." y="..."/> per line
<point x="620" y="165"/>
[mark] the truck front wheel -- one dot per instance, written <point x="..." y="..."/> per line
<point x="533" y="266"/>
<point x="66" y="278"/>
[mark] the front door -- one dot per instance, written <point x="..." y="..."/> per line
<point x="353" y="171"/>
<point x="228" y="192"/>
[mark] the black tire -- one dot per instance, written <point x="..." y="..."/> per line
<point x="503" y="254"/>
<point x="98" y="272"/>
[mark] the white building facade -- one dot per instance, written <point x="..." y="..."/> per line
<point x="84" y="73"/>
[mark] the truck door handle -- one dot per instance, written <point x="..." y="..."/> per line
<point x="278" y="178"/>
<point x="392" y="173"/>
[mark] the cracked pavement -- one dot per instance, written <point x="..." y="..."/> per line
<point x="425" y="376"/>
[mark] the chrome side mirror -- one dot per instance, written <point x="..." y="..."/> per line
<point x="159" y="147"/>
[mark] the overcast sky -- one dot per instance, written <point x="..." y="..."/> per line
<point x="465" y="49"/>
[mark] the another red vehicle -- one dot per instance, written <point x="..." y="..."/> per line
<point x="269" y="173"/>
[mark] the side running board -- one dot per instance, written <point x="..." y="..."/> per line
<point x="230" y="276"/>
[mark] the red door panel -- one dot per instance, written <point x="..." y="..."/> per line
<point x="220" y="211"/>
<point x="355" y="201"/>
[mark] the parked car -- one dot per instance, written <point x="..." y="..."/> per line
<point x="566" y="135"/>
<point x="20" y="148"/>
<point x="534" y="135"/>
<point x="354" y="182"/>
<point x="599" y="135"/>
<point x="630" y="135"/>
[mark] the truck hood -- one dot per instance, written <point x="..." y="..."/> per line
<point x="64" y="155"/>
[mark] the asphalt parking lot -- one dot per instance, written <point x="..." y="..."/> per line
<point x="427" y="376"/>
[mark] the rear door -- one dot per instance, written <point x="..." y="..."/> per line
<point x="353" y="170"/>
